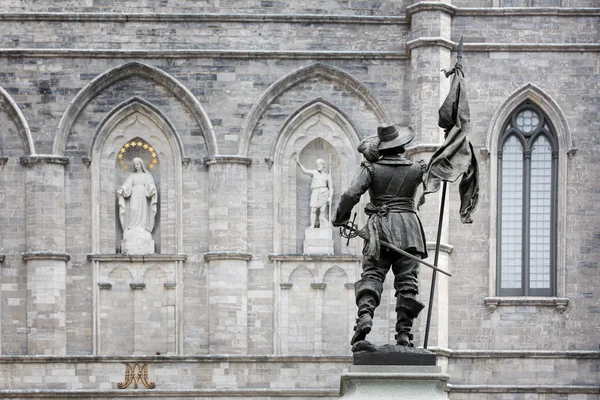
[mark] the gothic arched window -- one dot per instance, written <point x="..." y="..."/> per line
<point x="527" y="175"/>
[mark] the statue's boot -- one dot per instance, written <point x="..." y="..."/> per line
<point x="364" y="322"/>
<point x="407" y="309"/>
<point x="368" y="297"/>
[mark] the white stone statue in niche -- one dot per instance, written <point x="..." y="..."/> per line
<point x="321" y="193"/>
<point x="138" y="201"/>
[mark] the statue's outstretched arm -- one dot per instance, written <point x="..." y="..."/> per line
<point x="304" y="170"/>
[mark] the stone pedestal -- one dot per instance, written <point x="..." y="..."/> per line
<point x="137" y="241"/>
<point x="318" y="241"/>
<point x="393" y="382"/>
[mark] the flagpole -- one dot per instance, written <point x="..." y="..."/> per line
<point x="435" y="263"/>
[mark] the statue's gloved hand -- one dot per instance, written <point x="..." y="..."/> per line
<point x="339" y="223"/>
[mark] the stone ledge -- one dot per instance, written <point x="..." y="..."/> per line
<point x="202" y="17"/>
<point x="318" y="286"/>
<point x="554" y="389"/>
<point x="532" y="47"/>
<point x="430" y="6"/>
<point x="314" y="257"/>
<point x="137" y="258"/>
<point x="174" y="359"/>
<point x="227" y="255"/>
<point x="560" y="303"/>
<point x="222" y="393"/>
<point x="45" y="255"/>
<point x="227" y="160"/>
<point x="541" y="354"/>
<point x="444" y="247"/>
<point x="199" y="53"/>
<point x="43" y="158"/>
<point x="431" y="42"/>
<point x="421" y="148"/>
<point x="528" y="12"/>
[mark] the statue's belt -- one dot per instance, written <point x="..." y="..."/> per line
<point x="380" y="207"/>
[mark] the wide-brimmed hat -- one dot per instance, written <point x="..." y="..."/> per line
<point x="394" y="136"/>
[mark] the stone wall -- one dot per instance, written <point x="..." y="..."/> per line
<point x="227" y="100"/>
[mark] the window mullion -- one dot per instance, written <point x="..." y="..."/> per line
<point x="526" y="220"/>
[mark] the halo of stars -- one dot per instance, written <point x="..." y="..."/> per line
<point x="133" y="144"/>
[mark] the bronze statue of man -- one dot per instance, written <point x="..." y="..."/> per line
<point x="392" y="182"/>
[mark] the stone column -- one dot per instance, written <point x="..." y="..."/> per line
<point x="45" y="256"/>
<point x="227" y="260"/>
<point x="430" y="48"/>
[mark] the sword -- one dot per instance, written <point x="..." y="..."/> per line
<point x="349" y="230"/>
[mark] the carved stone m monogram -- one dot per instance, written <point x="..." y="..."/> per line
<point x="136" y="373"/>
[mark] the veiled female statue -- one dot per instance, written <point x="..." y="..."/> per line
<point x="138" y="201"/>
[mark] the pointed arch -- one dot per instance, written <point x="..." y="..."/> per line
<point x="101" y="82"/>
<point x="333" y="74"/>
<point x="561" y="130"/>
<point x="299" y="271"/>
<point x="541" y="99"/>
<point x="7" y="102"/>
<point x="126" y="108"/>
<point x="314" y="107"/>
<point x="335" y="270"/>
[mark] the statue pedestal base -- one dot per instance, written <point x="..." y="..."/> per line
<point x="318" y="241"/>
<point x="137" y="241"/>
<point x="393" y="382"/>
<point x="393" y="372"/>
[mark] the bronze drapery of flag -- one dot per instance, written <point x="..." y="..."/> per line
<point x="456" y="156"/>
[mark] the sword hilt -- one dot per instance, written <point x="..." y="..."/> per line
<point x="349" y="231"/>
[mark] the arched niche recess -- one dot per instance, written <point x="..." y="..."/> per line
<point x="316" y="130"/>
<point x="136" y="121"/>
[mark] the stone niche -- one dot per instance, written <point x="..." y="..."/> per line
<point x="137" y="304"/>
<point x="137" y="252"/>
<point x="318" y="130"/>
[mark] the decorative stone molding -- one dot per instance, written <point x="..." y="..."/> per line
<point x="430" y="42"/>
<point x="314" y="257"/>
<point x="559" y="303"/>
<point x="45" y="255"/>
<point x="104" y="286"/>
<point x="130" y="106"/>
<point x="198" y="53"/>
<point x="86" y="160"/>
<point x="2" y="258"/>
<point x="545" y="354"/>
<point x="227" y="255"/>
<point x="108" y="78"/>
<point x="169" y="393"/>
<point x="204" y="17"/>
<point x="571" y="152"/>
<point x="43" y="158"/>
<point x="485" y="152"/>
<point x="548" y="389"/>
<point x="269" y="161"/>
<point x="170" y="285"/>
<point x="137" y="286"/>
<point x="430" y="6"/>
<point x="342" y="78"/>
<point x="185" y="161"/>
<point x="3" y="161"/>
<point x="421" y="148"/>
<point x="13" y="110"/>
<point x="349" y="285"/>
<point x="233" y="159"/>
<point x="286" y="285"/>
<point x="137" y="258"/>
<point x="532" y="47"/>
<point x="168" y="359"/>
<point x="318" y="286"/>
<point x="528" y="12"/>
<point x="446" y="248"/>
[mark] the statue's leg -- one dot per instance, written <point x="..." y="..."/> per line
<point x="324" y="223"/>
<point x="368" y="295"/>
<point x="313" y="217"/>
<point x="406" y="284"/>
